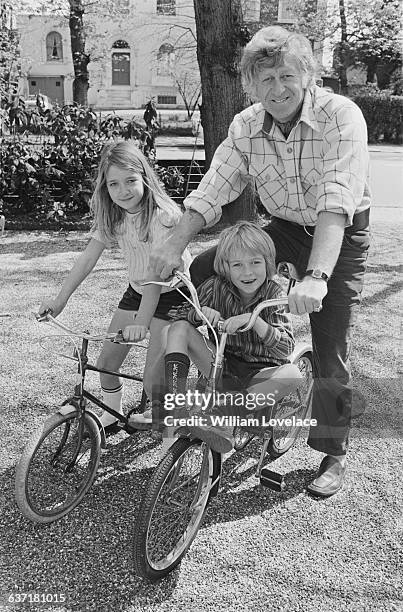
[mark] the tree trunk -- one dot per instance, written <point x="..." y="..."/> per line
<point x="80" y="58"/>
<point x="371" y="70"/>
<point x="219" y="35"/>
<point x="343" y="49"/>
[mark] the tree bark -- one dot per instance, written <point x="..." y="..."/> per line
<point x="219" y="37"/>
<point x="80" y="58"/>
<point x="343" y="49"/>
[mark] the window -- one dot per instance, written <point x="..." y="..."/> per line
<point x="33" y="83"/>
<point x="166" y="99"/>
<point x="120" y="64"/>
<point x="120" y="44"/>
<point x="286" y="11"/>
<point x="166" y="7"/>
<point x="54" y="47"/>
<point x="122" y="6"/>
<point x="57" y="83"/>
<point x="165" y="59"/>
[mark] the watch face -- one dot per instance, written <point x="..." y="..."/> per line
<point x="316" y="273"/>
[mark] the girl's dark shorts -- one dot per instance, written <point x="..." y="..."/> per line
<point x="169" y="306"/>
<point x="238" y="373"/>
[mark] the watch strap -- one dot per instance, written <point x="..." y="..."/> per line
<point x="317" y="273"/>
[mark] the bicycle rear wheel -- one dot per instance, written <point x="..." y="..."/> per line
<point x="172" y="510"/>
<point x="296" y="405"/>
<point x="48" y="482"/>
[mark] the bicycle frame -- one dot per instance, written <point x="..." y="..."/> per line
<point x="78" y="401"/>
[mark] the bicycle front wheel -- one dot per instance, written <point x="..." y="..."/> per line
<point x="296" y="405"/>
<point x="55" y="470"/>
<point x="172" y="510"/>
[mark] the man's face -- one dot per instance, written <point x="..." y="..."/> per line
<point x="281" y="89"/>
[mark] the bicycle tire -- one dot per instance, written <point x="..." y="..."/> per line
<point x="159" y="545"/>
<point x="44" y="490"/>
<point x="296" y="404"/>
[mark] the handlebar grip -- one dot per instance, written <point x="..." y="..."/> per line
<point x="118" y="338"/>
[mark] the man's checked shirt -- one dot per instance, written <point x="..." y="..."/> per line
<point x="321" y="166"/>
<point x="278" y="343"/>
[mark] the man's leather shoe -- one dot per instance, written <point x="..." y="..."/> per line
<point x="329" y="479"/>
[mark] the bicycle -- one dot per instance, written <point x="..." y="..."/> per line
<point x="60" y="461"/>
<point x="188" y="476"/>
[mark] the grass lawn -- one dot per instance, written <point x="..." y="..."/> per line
<point x="258" y="549"/>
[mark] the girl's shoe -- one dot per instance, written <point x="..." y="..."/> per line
<point x="142" y="421"/>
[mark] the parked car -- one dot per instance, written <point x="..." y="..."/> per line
<point x="40" y="101"/>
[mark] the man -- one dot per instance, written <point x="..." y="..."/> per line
<point x="305" y="149"/>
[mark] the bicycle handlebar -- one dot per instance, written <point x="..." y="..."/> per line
<point x="180" y="277"/>
<point x="117" y="338"/>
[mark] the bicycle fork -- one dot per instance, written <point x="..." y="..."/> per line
<point x="78" y="402"/>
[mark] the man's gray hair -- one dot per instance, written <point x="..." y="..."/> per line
<point x="267" y="50"/>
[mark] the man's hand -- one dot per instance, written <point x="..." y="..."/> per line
<point x="213" y="316"/>
<point x="307" y="295"/>
<point x="166" y="258"/>
<point x="232" y="324"/>
<point x="135" y="333"/>
<point x="55" y="306"/>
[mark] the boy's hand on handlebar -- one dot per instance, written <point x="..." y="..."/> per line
<point x="135" y="333"/>
<point x="231" y="325"/>
<point x="307" y="296"/>
<point x="55" y="306"/>
<point x="213" y="316"/>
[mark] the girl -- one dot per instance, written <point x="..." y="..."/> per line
<point x="256" y="360"/>
<point x="129" y="208"/>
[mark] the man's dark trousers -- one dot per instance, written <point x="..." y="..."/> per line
<point x="331" y="328"/>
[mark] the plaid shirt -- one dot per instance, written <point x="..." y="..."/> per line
<point x="278" y="343"/>
<point x="321" y="166"/>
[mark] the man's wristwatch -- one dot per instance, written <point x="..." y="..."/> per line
<point x="317" y="273"/>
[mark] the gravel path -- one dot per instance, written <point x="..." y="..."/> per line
<point x="257" y="550"/>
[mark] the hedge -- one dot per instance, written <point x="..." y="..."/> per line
<point x="51" y="183"/>
<point x="384" y="116"/>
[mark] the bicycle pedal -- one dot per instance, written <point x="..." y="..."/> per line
<point x="272" y="480"/>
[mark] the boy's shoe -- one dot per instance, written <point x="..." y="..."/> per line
<point x="141" y="421"/>
<point x="219" y="438"/>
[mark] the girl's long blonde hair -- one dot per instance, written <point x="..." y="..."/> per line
<point x="108" y="217"/>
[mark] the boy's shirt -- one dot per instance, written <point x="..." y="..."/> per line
<point x="279" y="341"/>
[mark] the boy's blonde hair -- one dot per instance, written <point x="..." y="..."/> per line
<point x="241" y="237"/>
<point x="108" y="217"/>
<point x="268" y="48"/>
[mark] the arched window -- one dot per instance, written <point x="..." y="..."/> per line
<point x="120" y="63"/>
<point x="54" y="47"/>
<point x="165" y="59"/>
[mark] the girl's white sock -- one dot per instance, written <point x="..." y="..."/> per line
<point x="113" y="399"/>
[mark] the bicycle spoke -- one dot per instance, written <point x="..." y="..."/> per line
<point x="177" y="508"/>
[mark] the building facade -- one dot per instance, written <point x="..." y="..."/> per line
<point x="133" y="53"/>
<point x="139" y="49"/>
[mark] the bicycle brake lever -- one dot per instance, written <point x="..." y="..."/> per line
<point x="42" y="318"/>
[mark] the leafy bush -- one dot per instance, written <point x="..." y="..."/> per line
<point x="54" y="181"/>
<point x="384" y="116"/>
